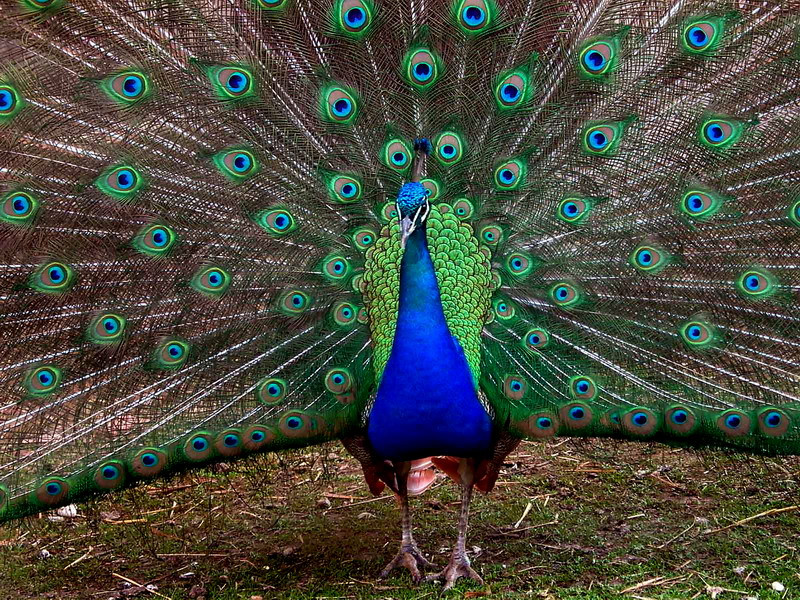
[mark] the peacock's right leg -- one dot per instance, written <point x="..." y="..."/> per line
<point x="409" y="555"/>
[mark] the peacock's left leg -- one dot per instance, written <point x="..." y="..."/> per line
<point x="409" y="555"/>
<point x="459" y="565"/>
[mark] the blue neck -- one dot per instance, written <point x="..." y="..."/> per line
<point x="426" y="403"/>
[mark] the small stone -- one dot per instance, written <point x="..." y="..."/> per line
<point x="44" y="554"/>
<point x="68" y="512"/>
<point x="324" y="503"/>
<point x="739" y="570"/>
<point x="187" y="575"/>
<point x="256" y="597"/>
<point x="151" y="587"/>
<point x="778" y="586"/>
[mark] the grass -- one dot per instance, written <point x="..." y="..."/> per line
<point x="606" y="520"/>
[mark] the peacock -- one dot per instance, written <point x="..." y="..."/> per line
<point x="428" y="229"/>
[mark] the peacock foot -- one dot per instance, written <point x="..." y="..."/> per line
<point x="457" y="567"/>
<point x="411" y="558"/>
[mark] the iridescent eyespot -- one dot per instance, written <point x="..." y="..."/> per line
<point x="43" y="380"/>
<point x="474" y="16"/>
<point x="734" y="423"/>
<point x="503" y="309"/>
<point x="648" y="258"/>
<point x="720" y="133"/>
<point x="794" y="213"/>
<point x="640" y="421"/>
<point x="212" y="281"/>
<point x="338" y="381"/>
<point x="338" y="105"/>
<point x="170" y="354"/>
<point x="700" y="204"/>
<point x="598" y="139"/>
<point x="270" y="4"/>
<point x="277" y="222"/>
<point x="293" y="302"/>
<point x="582" y="387"/>
<point x="52" y="491"/>
<point x="344" y="314"/>
<point x="344" y="189"/>
<point x="514" y="387"/>
<point x="354" y="17"/>
<point x="463" y="208"/>
<point x="232" y="82"/>
<point x="509" y="175"/>
<point x="573" y="210"/>
<point x="297" y="424"/>
<point x="257" y="437"/>
<point x="421" y="68"/>
<point x="199" y="446"/>
<point x="120" y="182"/>
<point x="396" y="155"/>
<point x="698" y="333"/>
<point x="773" y="422"/>
<point x="110" y="475"/>
<point x="520" y="264"/>
<point x="19" y="208"/>
<point x="680" y="420"/>
<point x="604" y="137"/>
<point x="565" y="294"/>
<point x="149" y="462"/>
<point x="536" y="339"/>
<point x="335" y="267"/>
<point x="491" y="235"/>
<point x="127" y="87"/>
<point x="10" y="101"/>
<point x="387" y="212"/>
<point x="511" y="89"/>
<point x="598" y="58"/>
<point x="702" y="36"/>
<point x="106" y="328"/>
<point x="448" y="148"/>
<point x="229" y="443"/>
<point x="155" y="240"/>
<point x="271" y="391"/>
<point x="363" y="238"/>
<point x="52" y="278"/>
<point x="756" y="283"/>
<point x="576" y="415"/>
<point x="236" y="164"/>
<point x="433" y="188"/>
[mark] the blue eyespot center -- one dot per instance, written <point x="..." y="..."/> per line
<point x="348" y="190"/>
<point x="640" y="419"/>
<point x="594" y="60"/>
<point x="534" y="339"/>
<point x="773" y="419"/>
<point x="273" y="389"/>
<point x="448" y="151"/>
<point x="125" y="179"/>
<point x="6" y="100"/>
<point x="175" y="350"/>
<point x="582" y="387"/>
<point x="132" y="86"/>
<point x="733" y="421"/>
<point x="697" y="37"/>
<point x="342" y="107"/>
<point x="231" y="440"/>
<point x="695" y="203"/>
<point x="297" y="300"/>
<point x="509" y="92"/>
<point x="598" y="140"/>
<point x="577" y="413"/>
<point x="516" y="385"/>
<point x="679" y="417"/>
<point x="715" y="133"/>
<point x="571" y="209"/>
<point x="473" y="16"/>
<point x="544" y="423"/>
<point x="241" y="162"/>
<point x="355" y="17"/>
<point x="149" y="459"/>
<point x="111" y="325"/>
<point x="507" y="175"/>
<point x="752" y="282"/>
<point x="53" y="488"/>
<point x="423" y="71"/>
<point x="199" y="444"/>
<point x="45" y="377"/>
<point x="21" y="204"/>
<point x="338" y="379"/>
<point x="562" y="293"/>
<point x="56" y="274"/>
<point x="694" y="332"/>
<point x="237" y="82"/>
<point x="399" y="158"/>
<point x="294" y="423"/>
<point x="257" y="436"/>
<point x="109" y="472"/>
<point x="159" y="237"/>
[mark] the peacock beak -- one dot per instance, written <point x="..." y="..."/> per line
<point x="409" y="223"/>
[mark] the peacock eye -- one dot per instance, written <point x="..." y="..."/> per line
<point x="756" y="283"/>
<point x="700" y="205"/>
<point x="107" y="328"/>
<point x="277" y="222"/>
<point x="720" y="133"/>
<point x="509" y="175"/>
<point x="573" y="210"/>
<point x="354" y="17"/>
<point x="596" y="59"/>
<point x="335" y="267"/>
<point x="271" y="391"/>
<point x="474" y="16"/>
<point x="211" y="281"/>
<point x="449" y="148"/>
<point x="127" y="87"/>
<point x="171" y="354"/>
<point x="536" y="339"/>
<point x="43" y="380"/>
<point x="565" y="294"/>
<point x="340" y="105"/>
<point x="9" y="100"/>
<point x="422" y="68"/>
<point x="598" y="139"/>
<point x="120" y="182"/>
<point x="345" y="189"/>
<point x="53" y="278"/>
<point x="294" y="302"/>
<point x="463" y="208"/>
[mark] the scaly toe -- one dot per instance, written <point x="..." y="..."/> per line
<point x="411" y="558"/>
<point x="457" y="568"/>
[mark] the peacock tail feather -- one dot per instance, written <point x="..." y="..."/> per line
<point x="199" y="247"/>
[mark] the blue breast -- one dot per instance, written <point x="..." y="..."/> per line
<point x="426" y="403"/>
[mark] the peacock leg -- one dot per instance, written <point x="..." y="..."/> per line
<point x="459" y="565"/>
<point x="409" y="555"/>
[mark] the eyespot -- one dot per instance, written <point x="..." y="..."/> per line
<point x="539" y="425"/>
<point x="514" y="387"/>
<point x="756" y="283"/>
<point x="720" y="133"/>
<point x="536" y="339"/>
<point x="128" y="87"/>
<point x="212" y="281"/>
<point x="52" y="278"/>
<point x="700" y="205"/>
<point x="576" y="415"/>
<point x="106" y="328"/>
<point x="511" y="90"/>
<point x="794" y="213"/>
<point x="294" y="302"/>
<point x="680" y="420"/>
<point x="702" y="36"/>
<point x="598" y="139"/>
<point x="229" y="443"/>
<point x="344" y="314"/>
<point x="448" y="148"/>
<point x="598" y="58"/>
<point x="271" y="391"/>
<point x="697" y="333"/>
<point x="388" y="212"/>
<point x="339" y="105"/>
<point x="43" y="380"/>
<point x="520" y="264"/>
<point x="149" y="462"/>
<point x="276" y="222"/>
<point x="110" y="475"/>
<point x="421" y="68"/>
<point x="773" y="422"/>
<point x="236" y="164"/>
<point x="199" y="447"/>
<point x="734" y="423"/>
<point x="396" y="155"/>
<point x="491" y="235"/>
<point x="10" y="101"/>
<point x="257" y="437"/>
<point x="463" y="208"/>
<point x="363" y="238"/>
<point x="52" y="491"/>
<point x="270" y="4"/>
<point x="155" y="240"/>
<point x="121" y="182"/>
<point x="582" y="387"/>
<point x="573" y="210"/>
<point x="565" y="294"/>
<point x="335" y="267"/>
<point x="433" y="188"/>
<point x="354" y="17"/>
<point x="19" y="208"/>
<point x="509" y="175"/>
<point x="171" y="354"/>
<point x="503" y="309"/>
<point x="43" y="4"/>
<point x="232" y="83"/>
<point x="345" y="189"/>
<point x="338" y="381"/>
<point x="640" y="421"/>
<point x="474" y="16"/>
<point x="649" y="259"/>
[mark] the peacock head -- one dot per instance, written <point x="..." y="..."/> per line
<point x="413" y="208"/>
